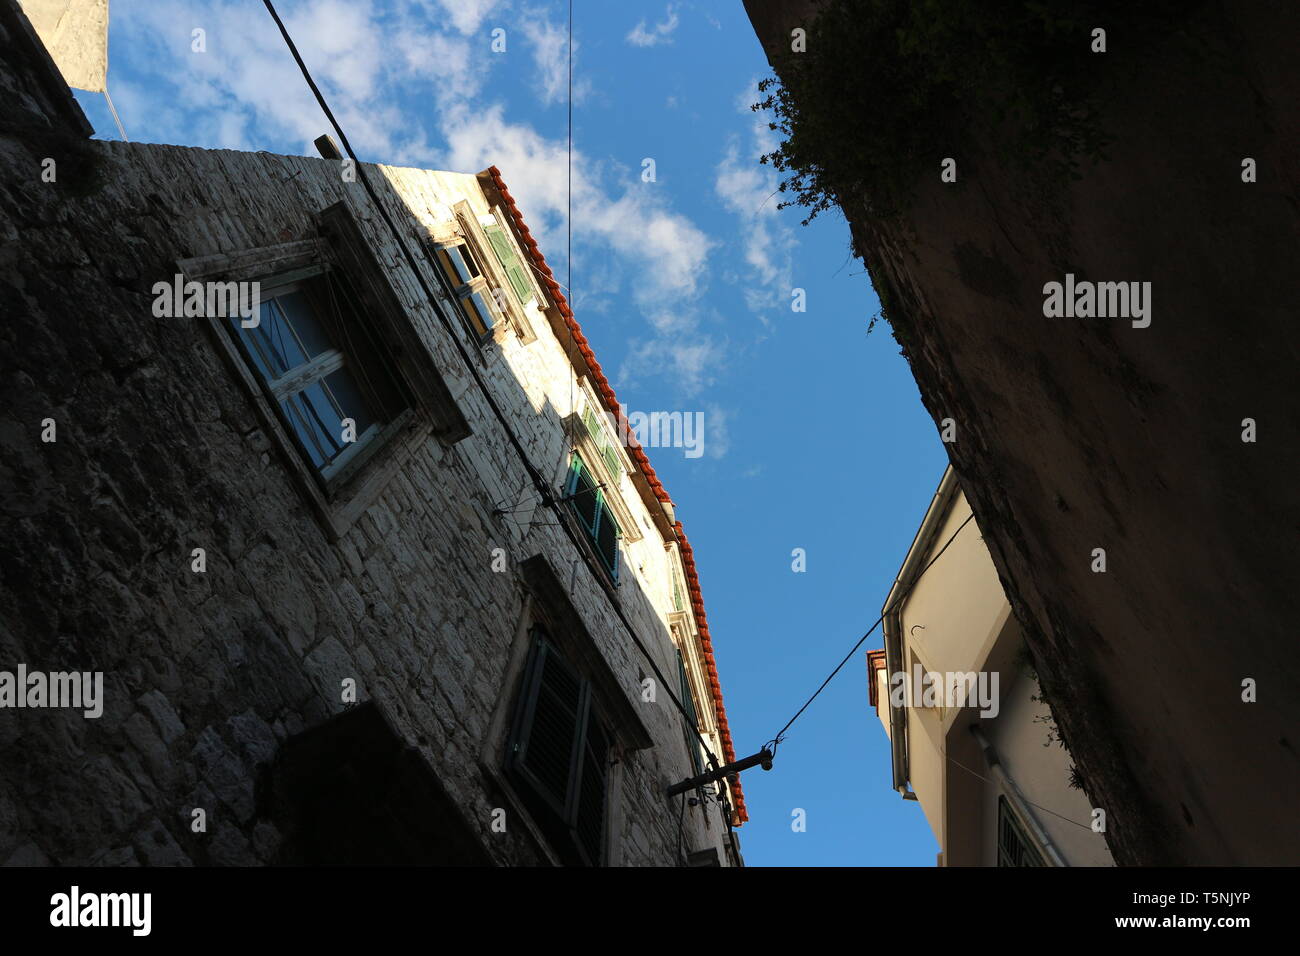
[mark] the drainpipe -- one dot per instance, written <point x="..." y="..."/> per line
<point x="1017" y="799"/>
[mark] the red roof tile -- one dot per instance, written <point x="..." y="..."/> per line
<point x="603" y="388"/>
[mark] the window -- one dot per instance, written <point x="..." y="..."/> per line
<point x="509" y="259"/>
<point x="559" y="753"/>
<point x="688" y="701"/>
<point x="465" y="278"/>
<point x="1014" y="848"/>
<point x="320" y="369"/>
<point x="594" y="514"/>
<point x="603" y="443"/>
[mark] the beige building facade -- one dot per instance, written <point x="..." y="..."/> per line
<point x="954" y="688"/>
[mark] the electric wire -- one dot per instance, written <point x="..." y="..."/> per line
<point x="538" y="480"/>
<point x="908" y="590"/>
<point x="1022" y="796"/>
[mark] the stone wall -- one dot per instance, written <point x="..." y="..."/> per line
<point x="1078" y="434"/>
<point x="158" y="452"/>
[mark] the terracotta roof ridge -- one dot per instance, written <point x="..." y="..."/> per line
<point x="638" y="455"/>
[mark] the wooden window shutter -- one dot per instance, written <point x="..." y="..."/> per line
<point x="589" y="814"/>
<point x="607" y="535"/>
<point x="610" y="454"/>
<point x="549" y="733"/>
<point x="509" y="259"/>
<point x="584" y="496"/>
<point x="559" y="748"/>
<point x="593" y="424"/>
<point x="1014" y="847"/>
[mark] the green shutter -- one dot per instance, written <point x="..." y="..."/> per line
<point x="611" y="459"/>
<point x="519" y="279"/>
<point x="594" y="514"/>
<point x="677" y="594"/>
<point x="607" y="535"/>
<point x="584" y="496"/>
<point x="509" y="259"/>
<point x="593" y="424"/>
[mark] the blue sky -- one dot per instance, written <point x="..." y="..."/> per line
<point x="815" y="436"/>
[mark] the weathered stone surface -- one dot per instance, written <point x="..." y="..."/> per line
<point x="158" y="848"/>
<point x="209" y="676"/>
<point x="1075" y="434"/>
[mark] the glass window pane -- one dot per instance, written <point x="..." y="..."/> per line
<point x="325" y="417"/>
<point x="459" y="268"/>
<point x="257" y="350"/>
<point x="479" y="310"/>
<point x="274" y="346"/>
<point x="304" y="427"/>
<point x="349" y="398"/>
<point x="303" y="320"/>
<point x="468" y="255"/>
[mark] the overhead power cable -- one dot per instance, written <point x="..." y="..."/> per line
<point x="539" y="482"/>
<point x="908" y="590"/>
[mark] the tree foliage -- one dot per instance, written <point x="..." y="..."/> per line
<point x="887" y="88"/>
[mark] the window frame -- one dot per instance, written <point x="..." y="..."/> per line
<point x="549" y="603"/>
<point x="1009" y="822"/>
<point x="599" y="447"/>
<point x="339" y="243"/>
<point x="465" y="228"/>
<point x="566" y="810"/>
<point x="601" y="509"/>
<point x="294" y="381"/>
<point x="463" y="291"/>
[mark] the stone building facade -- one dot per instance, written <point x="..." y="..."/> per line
<point x="389" y="643"/>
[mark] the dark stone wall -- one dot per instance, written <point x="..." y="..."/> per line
<point x="158" y="452"/>
<point x="1075" y="434"/>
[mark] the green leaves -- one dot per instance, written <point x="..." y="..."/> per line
<point x="886" y="87"/>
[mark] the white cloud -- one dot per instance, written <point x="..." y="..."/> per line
<point x="372" y="61"/>
<point x="246" y="84"/>
<point x="661" y="32"/>
<point x="441" y="59"/>
<point x="669" y="252"/>
<point x="550" y="45"/>
<point x="747" y="190"/>
<point x="717" y="435"/>
<point x="691" y="361"/>
<point x="468" y="15"/>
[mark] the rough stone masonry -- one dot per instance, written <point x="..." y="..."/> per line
<point x="222" y="710"/>
<point x="1078" y="434"/>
